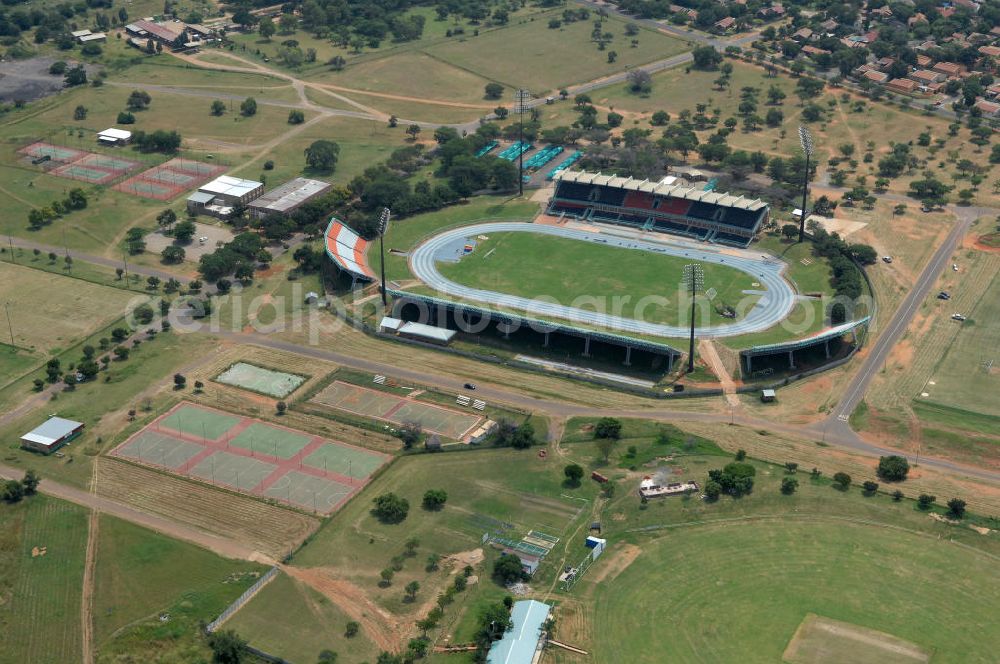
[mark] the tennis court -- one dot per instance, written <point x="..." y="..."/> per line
<point x="253" y="457"/>
<point x="391" y="408"/>
<point x="170" y="179"/>
<point x="159" y="449"/>
<point x="277" y="384"/>
<point x="309" y="492"/>
<point x="80" y="165"/>
<point x="198" y="422"/>
<point x="56" y="153"/>
<point x="281" y="443"/>
<point x="350" y="462"/>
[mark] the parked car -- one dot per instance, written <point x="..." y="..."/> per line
<point x="957" y="317"/>
<point x="944" y="295"/>
<point x="887" y="259"/>
<point x="470" y="386"/>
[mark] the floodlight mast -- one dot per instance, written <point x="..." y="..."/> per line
<point x="694" y="280"/>
<point x="383" y="224"/>
<point x="806" y="140"/>
<point x="521" y="97"/>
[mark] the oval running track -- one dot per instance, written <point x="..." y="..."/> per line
<point x="772" y="307"/>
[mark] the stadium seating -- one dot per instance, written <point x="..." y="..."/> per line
<point x="489" y="147"/>
<point x="573" y="158"/>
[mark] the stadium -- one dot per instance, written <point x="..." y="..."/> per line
<point x="597" y="279"/>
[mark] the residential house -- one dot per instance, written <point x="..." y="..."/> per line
<point x="971" y="5"/>
<point x="725" y="24"/>
<point x="990" y="51"/>
<point x="923" y="61"/>
<point x="829" y="26"/>
<point x="993" y="90"/>
<point x="990" y="109"/>
<point x="903" y="85"/>
<point x="925" y="76"/>
<point x="876" y="76"/>
<point x="916" y="19"/>
<point x="813" y="52"/>
<point x="947" y="68"/>
<point x="884" y="63"/>
<point x="805" y="34"/>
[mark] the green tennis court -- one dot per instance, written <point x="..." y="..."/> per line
<point x="265" y="439"/>
<point x="200" y="422"/>
<point x="160" y="449"/>
<point x="309" y="492"/>
<point x="239" y="472"/>
<point x="348" y="461"/>
<point x="85" y="173"/>
<point x="272" y="383"/>
<point x="55" y="152"/>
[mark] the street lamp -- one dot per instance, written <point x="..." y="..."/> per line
<point x="694" y="281"/>
<point x="383" y="224"/>
<point x="521" y="99"/>
<point x="806" y="140"/>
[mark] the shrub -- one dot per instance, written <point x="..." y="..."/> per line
<point x="893" y="468"/>
<point x="924" y="501"/>
<point x="390" y="508"/>
<point x="789" y="485"/>
<point x="842" y="481"/>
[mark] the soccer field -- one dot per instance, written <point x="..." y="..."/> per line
<point x="741" y="592"/>
<point x="594" y="275"/>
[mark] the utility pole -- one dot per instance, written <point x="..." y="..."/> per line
<point x="10" y="325"/>
<point x="694" y="281"/>
<point x="521" y="99"/>
<point x="383" y="224"/>
<point x="10" y="239"/>
<point x="806" y="139"/>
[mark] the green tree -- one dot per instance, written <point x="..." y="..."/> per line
<point x="412" y="588"/>
<point x="493" y="91"/>
<point x="842" y="481"/>
<point x="172" y="254"/>
<point x="956" y="508"/>
<point x="135" y="241"/>
<point x="893" y="468"/>
<point x="184" y="231"/>
<point x="218" y="107"/>
<point x="608" y="427"/>
<point x="790" y="231"/>
<point x="12" y="491"/>
<point x="924" y="501"/>
<point x="390" y="508"/>
<point x="573" y="473"/>
<point x="227" y="647"/>
<point x="789" y="485"/>
<point x="266" y="28"/>
<point x="869" y="488"/>
<point x="434" y="499"/>
<point x="706" y="57"/>
<point x="296" y="116"/>
<point x="30" y="483"/>
<point x="248" y="107"/>
<point x="351" y="629"/>
<point x="508" y="569"/>
<point x="413" y="131"/>
<point x="322" y="155"/>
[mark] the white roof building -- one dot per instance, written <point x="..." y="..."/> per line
<point x="114" y="136"/>
<point x="233" y="189"/>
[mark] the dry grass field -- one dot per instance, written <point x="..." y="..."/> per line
<point x="49" y="312"/>
<point x="270" y="529"/>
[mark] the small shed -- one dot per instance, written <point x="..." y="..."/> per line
<point x="768" y="396"/>
<point x="113" y="136"/>
<point x="51" y="435"/>
<point x="388" y="324"/>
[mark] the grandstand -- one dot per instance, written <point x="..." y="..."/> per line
<point x="348" y="251"/>
<point x="657" y="206"/>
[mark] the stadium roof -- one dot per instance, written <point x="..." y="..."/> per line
<point x="822" y="335"/>
<point x="347" y="250"/>
<point x="660" y="189"/>
<point x="227" y="185"/>
<point x="291" y="195"/>
<point x="51" y="431"/>
<point x="519" y="644"/>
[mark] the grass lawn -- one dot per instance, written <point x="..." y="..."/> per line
<point x="412" y="75"/>
<point x="91" y="403"/>
<point x="140" y="573"/>
<point x="508" y="485"/>
<point x="318" y="625"/>
<point x="49" y="312"/>
<point x="966" y="377"/>
<point x="895" y="582"/>
<point x="41" y="592"/>
<point x="14" y="362"/>
<point x="546" y="59"/>
<point x="572" y="271"/>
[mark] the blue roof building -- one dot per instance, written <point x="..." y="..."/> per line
<point x="519" y="645"/>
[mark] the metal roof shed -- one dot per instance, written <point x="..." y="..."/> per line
<point x="519" y="645"/>
<point x="51" y="434"/>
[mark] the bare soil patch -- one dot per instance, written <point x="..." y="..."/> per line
<point x="617" y="563"/>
